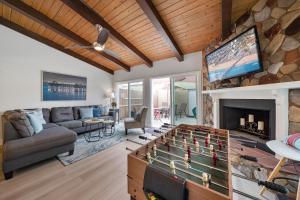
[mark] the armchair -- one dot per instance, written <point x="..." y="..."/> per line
<point x="138" y="121"/>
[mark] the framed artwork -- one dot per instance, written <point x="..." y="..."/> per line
<point x="61" y="87"/>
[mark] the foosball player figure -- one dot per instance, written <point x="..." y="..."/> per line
<point x="215" y="158"/>
<point x="208" y="137"/>
<point x="184" y="143"/>
<point x="191" y="135"/>
<point x="197" y="146"/>
<point x="154" y="150"/>
<point x="174" y="140"/>
<point x="211" y="149"/>
<point x="194" y="139"/>
<point x="220" y="144"/>
<point x="148" y="155"/>
<point x="186" y="157"/>
<point x="206" y="141"/>
<point x="172" y="167"/>
<point x="189" y="154"/>
<point x="205" y="179"/>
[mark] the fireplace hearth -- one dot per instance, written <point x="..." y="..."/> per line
<point x="252" y="116"/>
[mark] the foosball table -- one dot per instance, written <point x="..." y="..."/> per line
<point x="197" y="154"/>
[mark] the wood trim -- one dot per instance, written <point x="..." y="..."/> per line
<point x="150" y="10"/>
<point x="226" y="10"/>
<point x="52" y="44"/>
<point x="56" y="27"/>
<point x="94" y="18"/>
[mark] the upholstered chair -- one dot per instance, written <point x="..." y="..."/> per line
<point x="138" y="121"/>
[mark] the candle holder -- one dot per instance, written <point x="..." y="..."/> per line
<point x="252" y="128"/>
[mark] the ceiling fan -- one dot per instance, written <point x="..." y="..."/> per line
<point x="99" y="44"/>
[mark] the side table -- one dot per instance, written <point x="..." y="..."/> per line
<point x="285" y="152"/>
<point x="115" y="113"/>
<point x="108" y="124"/>
<point x="88" y="136"/>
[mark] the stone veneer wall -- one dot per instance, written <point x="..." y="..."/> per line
<point x="278" y="24"/>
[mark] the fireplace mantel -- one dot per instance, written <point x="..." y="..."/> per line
<point x="274" y="86"/>
<point x="278" y="91"/>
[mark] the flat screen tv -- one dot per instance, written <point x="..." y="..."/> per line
<point x="237" y="57"/>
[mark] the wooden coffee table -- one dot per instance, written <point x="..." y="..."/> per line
<point x="91" y="135"/>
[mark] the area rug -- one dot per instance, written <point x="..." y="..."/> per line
<point x="84" y="149"/>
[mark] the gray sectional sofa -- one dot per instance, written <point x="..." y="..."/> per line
<point x="58" y="136"/>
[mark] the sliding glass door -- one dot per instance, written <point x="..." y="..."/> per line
<point x="130" y="98"/>
<point x="123" y="100"/>
<point x="174" y="100"/>
<point x="161" y="101"/>
<point x="136" y="100"/>
<point x="185" y="99"/>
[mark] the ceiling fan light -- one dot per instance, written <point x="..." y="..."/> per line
<point x="98" y="47"/>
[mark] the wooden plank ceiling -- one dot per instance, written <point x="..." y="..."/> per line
<point x="191" y="24"/>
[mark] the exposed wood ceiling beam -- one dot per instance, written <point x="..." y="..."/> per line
<point x="226" y="10"/>
<point x="90" y="15"/>
<point x="56" y="27"/>
<point x="150" y="10"/>
<point x="52" y="44"/>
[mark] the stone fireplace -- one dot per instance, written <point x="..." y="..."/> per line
<point x="270" y="103"/>
<point x="263" y="111"/>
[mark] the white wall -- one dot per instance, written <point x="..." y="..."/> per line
<point x="192" y="64"/>
<point x="22" y="60"/>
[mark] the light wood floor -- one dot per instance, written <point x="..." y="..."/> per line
<point x="101" y="176"/>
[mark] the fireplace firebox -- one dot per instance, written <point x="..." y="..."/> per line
<point x="233" y="112"/>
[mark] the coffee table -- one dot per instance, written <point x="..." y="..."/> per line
<point x="89" y="136"/>
<point x="108" y="125"/>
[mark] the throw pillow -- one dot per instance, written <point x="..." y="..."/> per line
<point x="38" y="113"/>
<point x="294" y="140"/>
<point x="138" y="116"/>
<point x="35" y="121"/>
<point x="86" y="113"/>
<point x="97" y="112"/>
<point x="20" y="122"/>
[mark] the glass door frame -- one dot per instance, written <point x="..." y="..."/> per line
<point x="172" y="78"/>
<point x="198" y="94"/>
<point x="129" y="93"/>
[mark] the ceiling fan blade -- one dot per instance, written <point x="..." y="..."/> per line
<point x="103" y="36"/>
<point x="112" y="53"/>
<point x="79" y="46"/>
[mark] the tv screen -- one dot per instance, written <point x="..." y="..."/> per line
<point x="237" y="57"/>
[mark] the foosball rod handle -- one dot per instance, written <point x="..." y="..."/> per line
<point x="128" y="149"/>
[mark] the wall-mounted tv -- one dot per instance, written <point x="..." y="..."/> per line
<point x="237" y="57"/>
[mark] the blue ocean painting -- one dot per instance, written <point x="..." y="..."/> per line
<point x="58" y="87"/>
<point x="234" y="71"/>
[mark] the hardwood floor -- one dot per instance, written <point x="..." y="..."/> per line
<point x="101" y="176"/>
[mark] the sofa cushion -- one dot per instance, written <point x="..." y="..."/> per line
<point x="71" y="124"/>
<point x="86" y="113"/>
<point x="35" y="121"/>
<point x="61" y="114"/>
<point x="45" y="140"/>
<point x="38" y="113"/>
<point x="9" y="132"/>
<point x="76" y="111"/>
<point x="97" y="112"/>
<point x="49" y="125"/>
<point x="20" y="122"/>
<point x="46" y="114"/>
